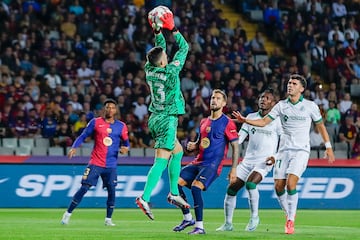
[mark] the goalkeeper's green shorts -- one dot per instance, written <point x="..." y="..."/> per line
<point x="163" y="130"/>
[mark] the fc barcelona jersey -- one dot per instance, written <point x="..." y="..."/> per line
<point x="215" y="136"/>
<point x="108" y="137"/>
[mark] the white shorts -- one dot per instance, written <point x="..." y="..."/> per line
<point x="245" y="168"/>
<point x="290" y="162"/>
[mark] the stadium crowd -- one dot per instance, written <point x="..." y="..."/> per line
<point x="59" y="60"/>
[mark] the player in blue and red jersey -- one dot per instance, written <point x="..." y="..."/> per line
<point x="216" y="132"/>
<point x="110" y="137"/>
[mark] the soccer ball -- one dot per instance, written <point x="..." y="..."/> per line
<point x="156" y="14"/>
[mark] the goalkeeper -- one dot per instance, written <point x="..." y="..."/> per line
<point x="167" y="102"/>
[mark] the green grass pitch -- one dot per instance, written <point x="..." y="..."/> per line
<point x="133" y="224"/>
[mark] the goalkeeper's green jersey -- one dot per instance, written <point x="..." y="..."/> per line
<point x="164" y="83"/>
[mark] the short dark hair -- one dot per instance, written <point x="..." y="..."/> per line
<point x="110" y="100"/>
<point x="154" y="55"/>
<point x="221" y="92"/>
<point x="300" y="78"/>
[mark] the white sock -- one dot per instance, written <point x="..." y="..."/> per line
<point x="283" y="203"/>
<point x="199" y="224"/>
<point x="293" y="202"/>
<point x="254" y="201"/>
<point x="188" y="217"/>
<point x="229" y="207"/>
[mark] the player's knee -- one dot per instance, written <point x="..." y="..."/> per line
<point x="198" y="184"/>
<point x="250" y="185"/>
<point x="182" y="182"/>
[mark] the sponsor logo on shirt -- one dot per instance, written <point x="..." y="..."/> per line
<point x="107" y="141"/>
<point x="205" y="142"/>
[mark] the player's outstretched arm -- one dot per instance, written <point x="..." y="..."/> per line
<point x="329" y="153"/>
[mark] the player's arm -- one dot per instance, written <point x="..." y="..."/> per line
<point x="80" y="139"/>
<point x="160" y="40"/>
<point x="254" y="122"/>
<point x="125" y="143"/>
<point x="232" y="136"/>
<point x="180" y="56"/>
<point x="329" y="153"/>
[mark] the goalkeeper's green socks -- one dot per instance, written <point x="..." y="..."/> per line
<point x="153" y="177"/>
<point x="174" y="172"/>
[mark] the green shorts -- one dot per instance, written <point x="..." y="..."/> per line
<point x="163" y="130"/>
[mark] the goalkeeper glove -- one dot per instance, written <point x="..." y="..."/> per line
<point x="168" y="21"/>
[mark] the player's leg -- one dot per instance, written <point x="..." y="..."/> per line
<point x="158" y="125"/>
<point x="253" y="198"/>
<point x="187" y="175"/>
<point x="296" y="168"/>
<point x="242" y="172"/>
<point x="280" y="167"/>
<point x="109" y="178"/>
<point x="202" y="182"/>
<point x="174" y="169"/>
<point x="90" y="178"/>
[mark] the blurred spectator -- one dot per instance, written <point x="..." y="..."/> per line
<point x="18" y="126"/>
<point x="321" y="99"/>
<point x="52" y="78"/>
<point x="84" y="74"/>
<point x="48" y="125"/>
<point x="63" y="136"/>
<point x="345" y="103"/>
<point x="257" y="44"/>
<point x="339" y="9"/>
<point x="333" y="116"/>
<point x="354" y="113"/>
<point x="144" y="138"/>
<point x="348" y="132"/>
<point x="141" y="109"/>
<point x="80" y="124"/>
<point x="33" y="123"/>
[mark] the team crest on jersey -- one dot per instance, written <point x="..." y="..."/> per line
<point x="253" y="130"/>
<point x="208" y="129"/>
<point x="286" y="118"/>
<point x="107" y="141"/>
<point x="205" y="142"/>
<point x="109" y="130"/>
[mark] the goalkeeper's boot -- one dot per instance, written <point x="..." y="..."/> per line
<point x="225" y="227"/>
<point x="184" y="224"/>
<point x="289" y="227"/>
<point x="144" y="206"/>
<point x="66" y="218"/>
<point x="197" y="230"/>
<point x="108" y="222"/>
<point x="177" y="201"/>
<point x="253" y="223"/>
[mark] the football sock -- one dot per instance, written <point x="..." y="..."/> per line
<point x="282" y="199"/>
<point x="182" y="194"/>
<point x="110" y="202"/>
<point x="174" y="172"/>
<point x="293" y="197"/>
<point x="229" y="206"/>
<point x="78" y="197"/>
<point x="199" y="224"/>
<point x="188" y="216"/>
<point x="153" y="177"/>
<point x="253" y="198"/>
<point x="198" y="203"/>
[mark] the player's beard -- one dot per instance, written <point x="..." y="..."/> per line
<point x="215" y="108"/>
